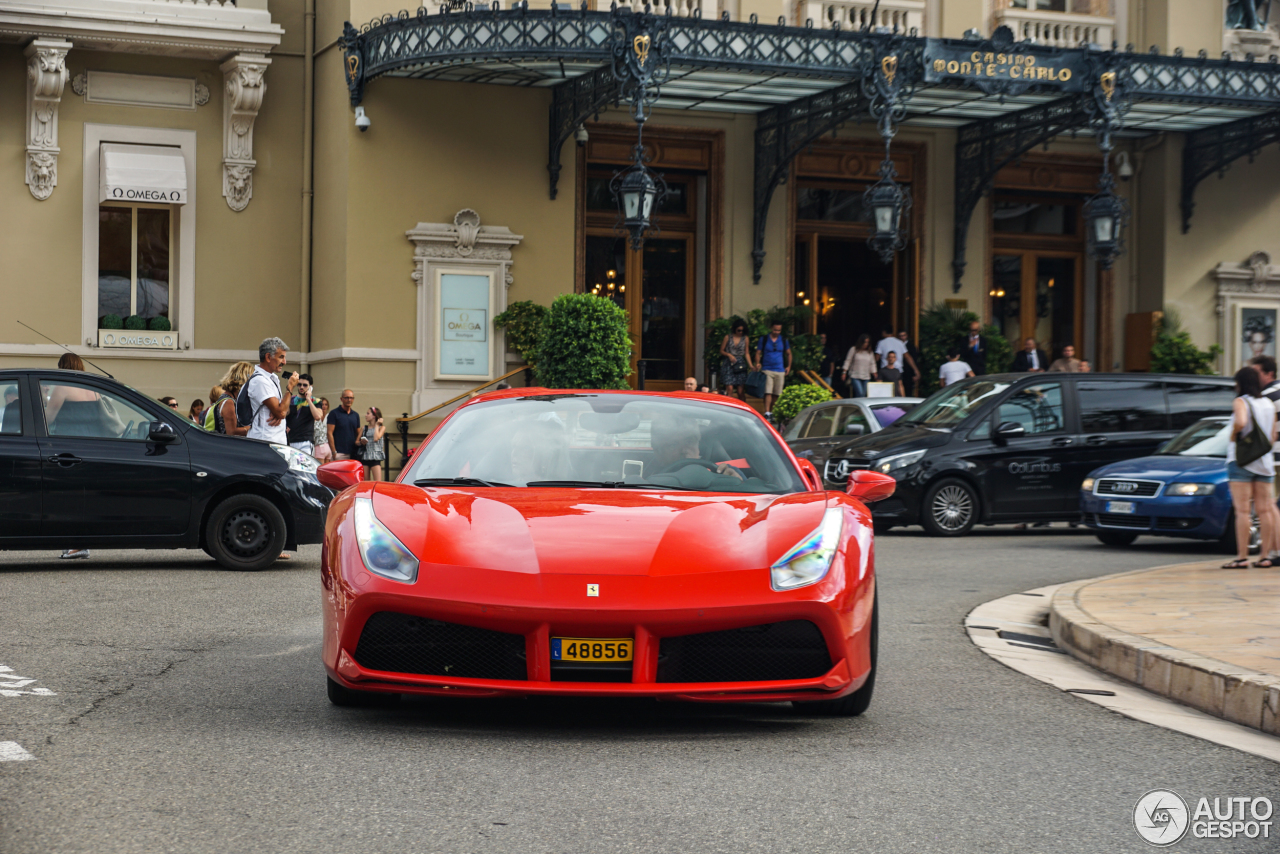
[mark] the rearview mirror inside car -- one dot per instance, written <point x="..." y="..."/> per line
<point x="340" y="474"/>
<point x="161" y="432"/>
<point x="870" y="486"/>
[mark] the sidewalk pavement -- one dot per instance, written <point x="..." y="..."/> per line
<point x="1204" y="636"/>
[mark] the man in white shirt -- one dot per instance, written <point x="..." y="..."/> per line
<point x="889" y="343"/>
<point x="269" y="410"/>
<point x="953" y="370"/>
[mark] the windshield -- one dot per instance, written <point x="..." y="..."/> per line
<point x="953" y="404"/>
<point x="1206" y="438"/>
<point x="608" y="440"/>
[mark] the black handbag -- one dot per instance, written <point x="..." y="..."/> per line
<point x="755" y="383"/>
<point x="1253" y="445"/>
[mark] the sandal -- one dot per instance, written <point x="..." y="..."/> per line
<point x="1238" y="563"/>
<point x="1264" y="563"/>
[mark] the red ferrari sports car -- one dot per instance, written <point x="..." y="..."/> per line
<point x="602" y="543"/>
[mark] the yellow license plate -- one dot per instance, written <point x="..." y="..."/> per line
<point x="591" y="649"/>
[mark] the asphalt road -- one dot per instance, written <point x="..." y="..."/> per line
<point x="189" y="715"/>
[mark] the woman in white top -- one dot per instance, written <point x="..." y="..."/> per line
<point x="860" y="367"/>
<point x="1253" y="480"/>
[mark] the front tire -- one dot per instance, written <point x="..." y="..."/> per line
<point x="1115" y="538"/>
<point x="245" y="532"/>
<point x="859" y="701"/>
<point x="950" y="508"/>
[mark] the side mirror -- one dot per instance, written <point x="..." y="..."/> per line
<point x="811" y="475"/>
<point x="855" y="429"/>
<point x="340" y="474"/>
<point x="161" y="432"/>
<point x="870" y="486"/>
<point x="1010" y="430"/>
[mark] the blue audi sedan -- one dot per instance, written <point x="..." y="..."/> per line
<point x="1180" y="491"/>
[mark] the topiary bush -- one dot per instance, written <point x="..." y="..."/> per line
<point x="795" y="398"/>
<point x="1175" y="353"/>
<point x="584" y="344"/>
<point x="523" y="322"/>
<point x="135" y="322"/>
<point x="159" y="324"/>
<point x="111" y="321"/>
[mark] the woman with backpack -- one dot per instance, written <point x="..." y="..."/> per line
<point x="224" y="408"/>
<point x="1251" y="465"/>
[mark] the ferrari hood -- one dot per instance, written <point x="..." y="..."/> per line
<point x="595" y="531"/>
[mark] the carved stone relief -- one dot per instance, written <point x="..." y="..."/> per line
<point x="46" y="78"/>
<point x="1251" y="286"/>
<point x="245" y="87"/>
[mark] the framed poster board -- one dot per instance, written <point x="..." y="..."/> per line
<point x="1253" y="331"/>
<point x="463" y="316"/>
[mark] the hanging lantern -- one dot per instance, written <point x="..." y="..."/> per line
<point x="1105" y="216"/>
<point x="639" y="193"/>
<point x="888" y="204"/>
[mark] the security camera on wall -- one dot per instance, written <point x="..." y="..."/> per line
<point x="362" y="121"/>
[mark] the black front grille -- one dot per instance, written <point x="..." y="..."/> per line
<point x="1123" y="520"/>
<point x="790" y="650"/>
<point x="1177" y="523"/>
<point x="1136" y="488"/>
<point x="402" y="643"/>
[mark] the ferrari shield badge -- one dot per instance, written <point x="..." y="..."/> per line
<point x="593" y="589"/>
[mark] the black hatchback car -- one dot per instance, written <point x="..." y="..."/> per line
<point x="87" y="462"/>
<point x="1016" y="447"/>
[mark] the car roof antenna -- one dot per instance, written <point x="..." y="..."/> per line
<point x="63" y="346"/>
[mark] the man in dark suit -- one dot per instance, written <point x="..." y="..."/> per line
<point x="1030" y="359"/>
<point x="973" y="349"/>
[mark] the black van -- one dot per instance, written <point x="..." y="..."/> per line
<point x="1015" y="447"/>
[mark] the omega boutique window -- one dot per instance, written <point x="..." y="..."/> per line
<point x="135" y="264"/>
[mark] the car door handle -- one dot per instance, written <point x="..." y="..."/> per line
<point x="65" y="460"/>
<point x="1096" y="440"/>
<point x="1061" y="441"/>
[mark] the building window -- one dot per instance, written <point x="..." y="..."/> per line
<point x="135" y="265"/>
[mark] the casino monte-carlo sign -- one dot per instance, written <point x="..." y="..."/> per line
<point x="992" y="69"/>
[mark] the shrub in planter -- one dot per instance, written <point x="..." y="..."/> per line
<point x="111" y="321"/>
<point x="523" y="322"/>
<point x="159" y="324"/>
<point x="135" y="322"/>
<point x="1175" y="353"/>
<point x="584" y="344"/>
<point x="795" y="398"/>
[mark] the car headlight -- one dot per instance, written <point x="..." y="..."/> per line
<point x="897" y="461"/>
<point x="807" y="561"/>
<point x="381" y="552"/>
<point x="1189" y="489"/>
<point x="1087" y="484"/>
<point x="297" y="460"/>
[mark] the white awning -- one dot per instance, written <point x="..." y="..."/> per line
<point x="142" y="173"/>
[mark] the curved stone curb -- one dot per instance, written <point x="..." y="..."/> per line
<point x="1227" y="691"/>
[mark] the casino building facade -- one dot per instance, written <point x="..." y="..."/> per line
<point x="373" y="186"/>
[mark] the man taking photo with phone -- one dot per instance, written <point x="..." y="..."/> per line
<point x="269" y="411"/>
<point x="302" y="418"/>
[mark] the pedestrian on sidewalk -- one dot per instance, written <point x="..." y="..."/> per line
<point x="1251" y="466"/>
<point x="344" y="427"/>
<point x="215" y="394"/>
<point x="196" y="413"/>
<point x="889" y="343"/>
<point x="910" y="365"/>
<point x="372" y="450"/>
<point x="268" y="404"/>
<point x="773" y="353"/>
<point x="859" y="367"/>
<point x="224" y="408"/>
<point x="1266" y="368"/>
<point x="1068" y="363"/>
<point x="737" y="360"/>
<point x="954" y="369"/>
<point x="302" y="418"/>
<point x="890" y="373"/>
<point x="320" y="433"/>
<point x="64" y="401"/>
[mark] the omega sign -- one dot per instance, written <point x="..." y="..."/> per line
<point x="145" y="194"/>
<point x="139" y="340"/>
<point x="465" y="324"/>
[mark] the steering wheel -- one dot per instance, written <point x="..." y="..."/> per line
<point x="679" y="464"/>
<point x="127" y="429"/>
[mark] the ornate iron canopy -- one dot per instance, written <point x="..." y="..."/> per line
<point x="1004" y="97"/>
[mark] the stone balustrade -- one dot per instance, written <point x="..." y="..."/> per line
<point x="900" y="15"/>
<point x="1057" y="29"/>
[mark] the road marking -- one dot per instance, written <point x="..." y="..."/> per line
<point x="1071" y="676"/>
<point x="11" y="751"/>
<point x="10" y="682"/>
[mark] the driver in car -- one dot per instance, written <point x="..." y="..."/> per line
<point x="678" y="439"/>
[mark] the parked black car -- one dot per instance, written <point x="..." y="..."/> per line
<point x="1016" y="447"/>
<point x="118" y="470"/>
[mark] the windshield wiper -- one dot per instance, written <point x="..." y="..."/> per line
<point x="456" y="481"/>
<point x="606" y="484"/>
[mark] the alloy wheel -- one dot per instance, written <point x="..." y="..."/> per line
<point x="952" y="508"/>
